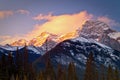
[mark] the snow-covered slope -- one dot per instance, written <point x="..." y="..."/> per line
<point x="77" y="50"/>
<point x="93" y="29"/>
<point x="115" y="35"/>
<point x="36" y="50"/>
<point x="102" y="33"/>
<point x="33" y="52"/>
<point x="10" y="48"/>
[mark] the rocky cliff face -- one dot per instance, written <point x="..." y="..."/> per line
<point x="101" y="32"/>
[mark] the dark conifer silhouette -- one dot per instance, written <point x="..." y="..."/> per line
<point x="102" y="72"/>
<point x="49" y="71"/>
<point x="90" y="71"/>
<point x="3" y="68"/>
<point x="61" y="73"/>
<point x="26" y="62"/>
<point x="72" y="75"/>
<point x="116" y="74"/>
<point x="110" y="73"/>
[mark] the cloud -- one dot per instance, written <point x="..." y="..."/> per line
<point x="6" y="39"/>
<point x="108" y="21"/>
<point x="60" y="24"/>
<point x="43" y="17"/>
<point x="22" y="11"/>
<point x="4" y="14"/>
<point x="7" y="13"/>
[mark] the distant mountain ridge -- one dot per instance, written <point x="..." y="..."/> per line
<point x="93" y="29"/>
<point x="77" y="50"/>
<point x="33" y="52"/>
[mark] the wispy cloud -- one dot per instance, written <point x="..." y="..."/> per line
<point x="108" y="21"/>
<point x="43" y="17"/>
<point x="6" y="39"/>
<point x="6" y="13"/>
<point x="22" y="11"/>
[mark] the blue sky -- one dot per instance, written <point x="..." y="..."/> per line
<point x="17" y="22"/>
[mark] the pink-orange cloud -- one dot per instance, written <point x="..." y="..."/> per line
<point x="22" y="11"/>
<point x="108" y="21"/>
<point x="4" y="14"/>
<point x="60" y="24"/>
<point x="43" y="17"/>
<point x="6" y="39"/>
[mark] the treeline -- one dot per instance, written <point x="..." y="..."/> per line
<point x="19" y="68"/>
<point x="16" y="67"/>
<point x="92" y="72"/>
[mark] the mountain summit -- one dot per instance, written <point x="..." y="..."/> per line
<point x="102" y="33"/>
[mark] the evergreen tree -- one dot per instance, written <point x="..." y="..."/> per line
<point x="19" y="62"/>
<point x="110" y="73"/>
<point x="12" y="77"/>
<point x="3" y="68"/>
<point x="17" y="78"/>
<point x="61" y="74"/>
<point x="116" y="74"/>
<point x="10" y="64"/>
<point x="41" y="77"/>
<point x="64" y="76"/>
<point x="49" y="71"/>
<point x="90" y="72"/>
<point x="31" y="71"/>
<point x="25" y="77"/>
<point x="96" y="75"/>
<point x="102" y="73"/>
<point x="72" y="72"/>
<point x="25" y="59"/>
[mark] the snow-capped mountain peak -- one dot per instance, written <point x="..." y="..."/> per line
<point x="102" y="33"/>
<point x="93" y="29"/>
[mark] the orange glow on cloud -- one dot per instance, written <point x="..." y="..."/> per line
<point x="22" y="11"/>
<point x="60" y="24"/>
<point x="4" y="14"/>
<point x="108" y="21"/>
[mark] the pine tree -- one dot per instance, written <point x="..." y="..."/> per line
<point x="12" y="77"/>
<point x="49" y="71"/>
<point x="61" y="73"/>
<point x="41" y="77"/>
<point x="25" y="59"/>
<point x="25" y="77"/>
<point x="17" y="78"/>
<point x="72" y="72"/>
<point x="10" y="64"/>
<point x="110" y="73"/>
<point x="64" y="76"/>
<point x="90" y="72"/>
<point x="96" y="75"/>
<point x="102" y="73"/>
<point x="31" y="71"/>
<point x="3" y="68"/>
<point x="116" y="74"/>
<point x="19" y="62"/>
